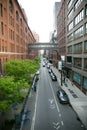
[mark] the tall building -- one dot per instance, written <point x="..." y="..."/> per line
<point x="55" y="12"/>
<point x="61" y="28"/>
<point x="15" y="34"/>
<point x="72" y="40"/>
<point x="77" y="42"/>
<point x="54" y="54"/>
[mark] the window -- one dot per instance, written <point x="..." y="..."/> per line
<point x="85" y="46"/>
<point x="85" y="63"/>
<point x="70" y="26"/>
<point x="69" y="59"/>
<point x="0" y="9"/>
<point x="86" y="10"/>
<point x="2" y="28"/>
<point x="78" y="2"/>
<point x="85" y="82"/>
<point x="10" y="6"/>
<point x="86" y="28"/>
<point x="17" y="16"/>
<point x="77" y="77"/>
<point x="70" y="37"/>
<point x="70" y="13"/>
<point x="78" y="48"/>
<point x="78" y="32"/>
<point x="25" y="29"/>
<point x="79" y="17"/>
<point x="77" y="62"/>
<point x="20" y="22"/>
<point x="70" y="3"/>
<point x="69" y="49"/>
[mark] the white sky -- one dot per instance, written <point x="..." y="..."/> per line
<point x="40" y="16"/>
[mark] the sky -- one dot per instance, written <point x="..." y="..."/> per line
<point x="40" y="16"/>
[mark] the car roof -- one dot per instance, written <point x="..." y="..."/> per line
<point x="61" y="90"/>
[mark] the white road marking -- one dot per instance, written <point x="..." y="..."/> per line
<point x="51" y="100"/>
<point x="52" y="107"/>
<point x="56" y="125"/>
<point x="59" y="115"/>
<point x="54" y="97"/>
<point x="62" y="123"/>
<point x="33" y="122"/>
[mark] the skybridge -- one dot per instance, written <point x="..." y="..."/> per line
<point x="43" y="46"/>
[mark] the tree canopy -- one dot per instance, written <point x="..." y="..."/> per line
<point x="17" y="78"/>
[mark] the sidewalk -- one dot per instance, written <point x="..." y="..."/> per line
<point x="78" y="99"/>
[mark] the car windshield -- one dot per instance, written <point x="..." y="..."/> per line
<point x="62" y="94"/>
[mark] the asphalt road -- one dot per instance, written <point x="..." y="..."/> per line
<point x="49" y="114"/>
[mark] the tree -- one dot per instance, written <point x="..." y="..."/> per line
<point x="17" y="78"/>
<point x="10" y="92"/>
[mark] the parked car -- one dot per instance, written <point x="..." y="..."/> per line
<point x="43" y="64"/>
<point x="50" y="70"/>
<point x="48" y="66"/>
<point x="53" y="76"/>
<point x="62" y="96"/>
<point x="38" y="72"/>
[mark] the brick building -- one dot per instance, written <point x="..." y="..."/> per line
<point x="61" y="28"/>
<point x="15" y="34"/>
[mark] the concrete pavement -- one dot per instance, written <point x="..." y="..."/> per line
<point x="78" y="99"/>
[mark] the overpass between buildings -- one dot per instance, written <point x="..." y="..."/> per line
<point x="43" y="46"/>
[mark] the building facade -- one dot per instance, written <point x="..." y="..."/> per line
<point x="61" y="28"/>
<point x="54" y="54"/>
<point x="15" y="34"/>
<point x="74" y="31"/>
<point x="77" y="42"/>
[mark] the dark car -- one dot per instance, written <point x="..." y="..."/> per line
<point x="50" y="70"/>
<point x="62" y="96"/>
<point x="53" y="76"/>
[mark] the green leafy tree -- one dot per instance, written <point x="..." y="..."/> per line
<point x="17" y="79"/>
<point x="20" y="68"/>
<point x="10" y="92"/>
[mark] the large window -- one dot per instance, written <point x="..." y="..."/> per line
<point x="2" y="28"/>
<point x="77" y="77"/>
<point x="78" y="48"/>
<point x="20" y="21"/>
<point x="69" y="59"/>
<point x="85" y="63"/>
<point x="85" y="46"/>
<point x="78" y="2"/>
<point x="17" y="16"/>
<point x="70" y="3"/>
<point x="0" y="9"/>
<point x="70" y="37"/>
<point x="85" y="82"/>
<point x="10" y="6"/>
<point x="70" y="13"/>
<point x="78" y="62"/>
<point x="79" y="17"/>
<point x="86" y="10"/>
<point x="86" y="28"/>
<point x="69" y="49"/>
<point x="78" y="32"/>
<point x="70" y="26"/>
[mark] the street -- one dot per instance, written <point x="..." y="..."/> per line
<point x="49" y="114"/>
